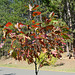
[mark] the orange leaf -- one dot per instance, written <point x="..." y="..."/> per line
<point x="36" y="13"/>
<point x="37" y="23"/>
<point x="8" y="24"/>
<point x="33" y="21"/>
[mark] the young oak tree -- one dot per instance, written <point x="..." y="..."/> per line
<point x="39" y="43"/>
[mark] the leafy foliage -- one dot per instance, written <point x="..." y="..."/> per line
<point x="40" y="39"/>
<point x="40" y="44"/>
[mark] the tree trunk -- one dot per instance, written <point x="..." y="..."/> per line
<point x="73" y="27"/>
<point x="36" y="71"/>
<point x="74" y="45"/>
<point x="64" y="13"/>
<point x="67" y="48"/>
<point x="30" y="11"/>
<point x="69" y="22"/>
<point x="69" y="14"/>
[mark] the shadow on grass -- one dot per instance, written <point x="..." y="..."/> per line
<point x="60" y="64"/>
<point x="10" y="74"/>
<point x="46" y="64"/>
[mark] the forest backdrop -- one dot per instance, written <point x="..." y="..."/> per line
<point x="17" y="11"/>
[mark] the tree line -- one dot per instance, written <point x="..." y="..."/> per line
<point x="18" y="11"/>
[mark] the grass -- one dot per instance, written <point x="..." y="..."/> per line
<point x="64" y="65"/>
<point x="45" y="68"/>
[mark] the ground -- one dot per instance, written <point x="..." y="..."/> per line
<point x="64" y="64"/>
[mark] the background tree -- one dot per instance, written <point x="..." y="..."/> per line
<point x="42" y="42"/>
<point x="18" y="11"/>
<point x="12" y="11"/>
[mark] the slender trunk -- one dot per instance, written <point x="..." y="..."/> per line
<point x="30" y="11"/>
<point x="36" y="71"/>
<point x="73" y="27"/>
<point x="70" y="46"/>
<point x="67" y="48"/>
<point x="64" y="13"/>
<point x="69" y="14"/>
<point x="68" y="20"/>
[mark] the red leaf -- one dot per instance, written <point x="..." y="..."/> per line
<point x="31" y="60"/>
<point x="35" y="6"/>
<point x="37" y="23"/>
<point x="8" y="31"/>
<point x="53" y="14"/>
<point x="42" y="42"/>
<point x="33" y="21"/>
<point x="36" y="13"/>
<point x="20" y="23"/>
<point x="49" y="27"/>
<point x="8" y="24"/>
<point x="65" y="28"/>
<point x="22" y="32"/>
<point x="35" y="26"/>
<point x="33" y="34"/>
<point x="28" y="53"/>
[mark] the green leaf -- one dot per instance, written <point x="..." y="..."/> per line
<point x="14" y="54"/>
<point x="65" y="36"/>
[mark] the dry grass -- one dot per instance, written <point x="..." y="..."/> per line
<point x="64" y="64"/>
